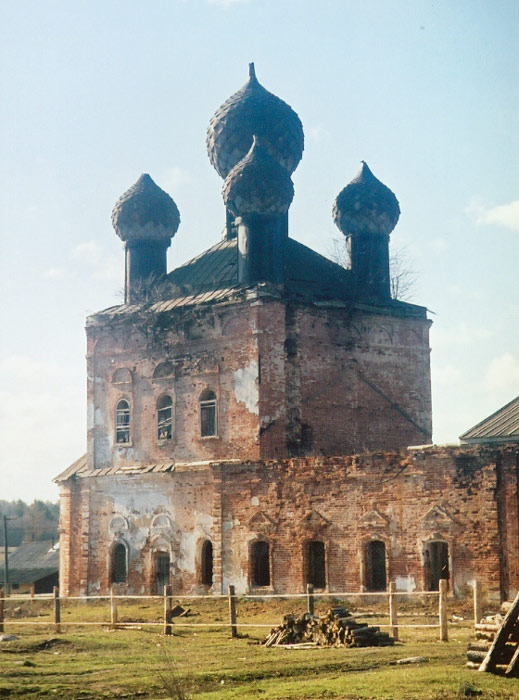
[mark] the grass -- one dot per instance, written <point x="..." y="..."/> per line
<point x="205" y="664"/>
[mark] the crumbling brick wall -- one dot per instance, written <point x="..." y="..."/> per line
<point x="464" y="497"/>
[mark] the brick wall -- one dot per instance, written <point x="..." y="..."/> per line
<point x="465" y="497"/>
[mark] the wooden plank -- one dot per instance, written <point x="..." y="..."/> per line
<point x="492" y="658"/>
<point x="513" y="666"/>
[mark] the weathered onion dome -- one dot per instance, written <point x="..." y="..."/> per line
<point x="254" y="110"/>
<point x="366" y="206"/>
<point x="145" y="212"/>
<point x="258" y="184"/>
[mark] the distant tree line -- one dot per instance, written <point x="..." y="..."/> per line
<point x="29" y="522"/>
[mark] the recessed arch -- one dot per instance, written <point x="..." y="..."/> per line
<point x="375" y="567"/>
<point x="122" y="376"/>
<point x="206" y="563"/>
<point x="122" y="422"/>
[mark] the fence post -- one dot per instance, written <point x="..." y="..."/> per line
<point x="33" y="590"/>
<point x="168" y="607"/>
<point x="393" y="611"/>
<point x="443" y="610"/>
<point x="310" y="600"/>
<point x="57" y="610"/>
<point x="232" y="611"/>
<point x="478" y="613"/>
<point x="1" y="609"/>
<point x="113" y="607"/>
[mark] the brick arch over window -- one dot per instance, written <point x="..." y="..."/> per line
<point x="208" y="414"/>
<point x="122" y="422"/>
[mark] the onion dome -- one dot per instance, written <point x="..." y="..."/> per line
<point x="258" y="184"/>
<point x="254" y="110"/>
<point x="366" y="206"/>
<point x="145" y="212"/>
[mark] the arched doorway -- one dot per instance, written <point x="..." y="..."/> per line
<point x="436" y="564"/>
<point x="375" y="566"/>
<point x="162" y="569"/>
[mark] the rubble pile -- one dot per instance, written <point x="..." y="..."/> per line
<point x="335" y="628"/>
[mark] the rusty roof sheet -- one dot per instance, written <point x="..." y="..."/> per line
<point x="501" y="426"/>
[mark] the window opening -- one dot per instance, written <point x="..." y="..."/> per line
<point x="316" y="571"/>
<point x="436" y="564"/>
<point x="376" y="566"/>
<point x="164" y="418"/>
<point x="208" y="423"/>
<point x="119" y="571"/>
<point x="161" y="572"/>
<point x="207" y="563"/>
<point x="260" y="564"/>
<point x="122" y="422"/>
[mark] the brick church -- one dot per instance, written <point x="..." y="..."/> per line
<point x="249" y="413"/>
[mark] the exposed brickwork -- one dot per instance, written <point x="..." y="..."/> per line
<point x="466" y="497"/>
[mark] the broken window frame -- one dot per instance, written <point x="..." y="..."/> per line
<point x="164" y="418"/>
<point x="208" y="414"/>
<point x="260" y="564"/>
<point x="373" y="581"/>
<point x="122" y="422"/>
<point x="317" y="578"/>
<point x="206" y="563"/>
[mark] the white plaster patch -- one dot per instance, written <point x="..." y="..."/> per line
<point x="99" y="417"/>
<point x="227" y="525"/>
<point x="204" y="521"/>
<point x="246" y="386"/>
<point x="186" y="561"/>
<point x="254" y="501"/>
<point x="405" y="583"/>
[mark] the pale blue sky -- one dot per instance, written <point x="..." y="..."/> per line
<point x="94" y="94"/>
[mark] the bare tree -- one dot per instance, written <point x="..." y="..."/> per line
<point x="402" y="277"/>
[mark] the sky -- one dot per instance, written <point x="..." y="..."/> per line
<point x="94" y="94"/>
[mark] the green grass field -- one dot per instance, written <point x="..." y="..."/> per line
<point x="205" y="664"/>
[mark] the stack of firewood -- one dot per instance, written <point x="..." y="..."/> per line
<point x="486" y="631"/>
<point x="335" y="628"/>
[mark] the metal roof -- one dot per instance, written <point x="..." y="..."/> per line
<point x="501" y="426"/>
<point x="32" y="561"/>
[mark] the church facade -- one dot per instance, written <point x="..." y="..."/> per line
<point x="249" y="413"/>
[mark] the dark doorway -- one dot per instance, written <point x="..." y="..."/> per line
<point x="119" y="569"/>
<point x="161" y="572"/>
<point x="207" y="563"/>
<point x="260" y="563"/>
<point x="316" y="564"/>
<point x="436" y="564"/>
<point x="376" y="566"/>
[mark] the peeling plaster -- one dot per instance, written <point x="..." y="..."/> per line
<point x="246" y="386"/>
<point x="254" y="501"/>
<point x="405" y="583"/>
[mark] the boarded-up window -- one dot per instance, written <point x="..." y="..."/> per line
<point x="207" y="564"/>
<point x="122" y="422"/>
<point x="316" y="564"/>
<point x="208" y="421"/>
<point x="375" y="563"/>
<point x="260" y="556"/>
<point x="164" y="418"/>
<point x="436" y="564"/>
<point x="119" y="569"/>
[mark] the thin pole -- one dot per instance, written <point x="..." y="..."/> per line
<point x="477" y="602"/>
<point x="232" y="611"/>
<point x="2" y="610"/>
<point x="168" y="601"/>
<point x="444" y="637"/>
<point x="6" y="558"/>
<point x="310" y="600"/>
<point x="393" y="612"/>
<point x="57" y="611"/>
<point x="113" y="607"/>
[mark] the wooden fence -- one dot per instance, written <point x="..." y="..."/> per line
<point x="168" y="622"/>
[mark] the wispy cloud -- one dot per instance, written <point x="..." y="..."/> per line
<point x="446" y="375"/>
<point x="174" y="178"/>
<point x="503" y="372"/>
<point x="317" y="133"/>
<point x="97" y="262"/>
<point x="506" y="215"/>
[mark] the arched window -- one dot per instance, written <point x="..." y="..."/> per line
<point x="375" y="566"/>
<point x="208" y="417"/>
<point x="315" y="562"/>
<point x="436" y="564"/>
<point x="260" y="563"/>
<point x="207" y="563"/>
<point x="164" y="418"/>
<point x="118" y="568"/>
<point x="122" y="422"/>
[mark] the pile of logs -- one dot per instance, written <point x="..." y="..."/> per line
<point x="335" y="628"/>
<point x="486" y="631"/>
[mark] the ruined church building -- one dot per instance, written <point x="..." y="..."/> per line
<point x="249" y="413"/>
